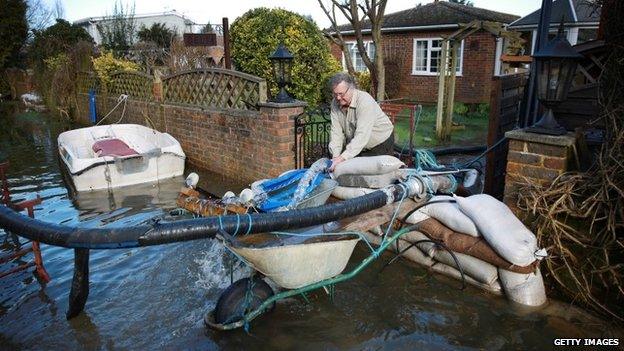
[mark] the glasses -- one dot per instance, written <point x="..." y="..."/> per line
<point x="341" y="95"/>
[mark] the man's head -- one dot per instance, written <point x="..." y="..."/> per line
<point x="342" y="86"/>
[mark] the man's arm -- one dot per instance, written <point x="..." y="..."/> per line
<point x="336" y="136"/>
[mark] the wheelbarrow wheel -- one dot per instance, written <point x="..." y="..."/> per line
<point x="240" y="298"/>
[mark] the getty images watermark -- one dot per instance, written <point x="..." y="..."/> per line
<point x="586" y="342"/>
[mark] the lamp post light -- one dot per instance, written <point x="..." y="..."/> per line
<point x="556" y="65"/>
<point x="282" y="63"/>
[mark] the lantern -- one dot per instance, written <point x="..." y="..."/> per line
<point x="282" y="62"/>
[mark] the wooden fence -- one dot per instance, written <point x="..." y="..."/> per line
<point x="206" y="88"/>
<point x="505" y="98"/>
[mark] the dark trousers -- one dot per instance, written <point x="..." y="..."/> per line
<point x="385" y="148"/>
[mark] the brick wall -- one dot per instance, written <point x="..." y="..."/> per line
<point x="477" y="68"/>
<point x="535" y="158"/>
<point x="241" y="145"/>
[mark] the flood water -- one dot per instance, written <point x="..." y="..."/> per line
<point x="156" y="297"/>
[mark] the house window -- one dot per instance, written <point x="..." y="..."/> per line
<point x="427" y="53"/>
<point x="356" y="58"/>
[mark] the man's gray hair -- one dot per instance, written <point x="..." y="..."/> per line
<point x="339" y="78"/>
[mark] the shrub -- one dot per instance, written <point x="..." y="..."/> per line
<point x="13" y="31"/>
<point x="107" y="64"/>
<point x="257" y="33"/>
<point x="363" y="80"/>
<point x="483" y="110"/>
<point x="158" y="33"/>
<point x="59" y="38"/>
<point x="459" y="108"/>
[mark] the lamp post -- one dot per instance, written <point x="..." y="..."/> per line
<point x="282" y="62"/>
<point x="556" y="65"/>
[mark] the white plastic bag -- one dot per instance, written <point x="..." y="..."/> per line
<point x="494" y="287"/>
<point x="501" y="229"/>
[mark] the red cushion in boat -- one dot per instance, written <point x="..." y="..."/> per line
<point x="112" y="147"/>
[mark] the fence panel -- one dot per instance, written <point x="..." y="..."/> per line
<point x="220" y="88"/>
<point x="87" y="81"/>
<point x="136" y="85"/>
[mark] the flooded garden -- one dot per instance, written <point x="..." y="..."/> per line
<point x="156" y="297"/>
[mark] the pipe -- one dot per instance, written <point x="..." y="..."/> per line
<point x="204" y="228"/>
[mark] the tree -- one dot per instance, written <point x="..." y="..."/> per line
<point x="13" y="31"/>
<point x="38" y="15"/>
<point x="158" y="33"/>
<point x="462" y="2"/>
<point x="207" y="29"/>
<point x="257" y="33"/>
<point x="118" y="30"/>
<point x="56" y="39"/>
<point x="357" y="14"/>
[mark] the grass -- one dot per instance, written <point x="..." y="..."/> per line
<point x="474" y="130"/>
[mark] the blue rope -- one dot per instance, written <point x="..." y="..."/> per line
<point x="220" y="223"/>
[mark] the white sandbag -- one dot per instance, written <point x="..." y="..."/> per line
<point x="347" y="193"/>
<point x="473" y="267"/>
<point x="416" y="217"/>
<point x="413" y="253"/>
<point x="526" y="289"/>
<point x="494" y="287"/>
<point x="450" y="215"/>
<point x="501" y="229"/>
<point x="368" y="181"/>
<point x="370" y="165"/>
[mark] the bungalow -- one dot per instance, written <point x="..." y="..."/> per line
<point x="412" y="44"/>
<point x="172" y="19"/>
<point x="580" y="21"/>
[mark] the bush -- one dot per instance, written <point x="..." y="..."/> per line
<point x="13" y="31"/>
<point x="107" y="64"/>
<point x="459" y="108"/>
<point x="483" y="110"/>
<point x="158" y="33"/>
<point x="59" y="38"/>
<point x="363" y="80"/>
<point x="257" y="33"/>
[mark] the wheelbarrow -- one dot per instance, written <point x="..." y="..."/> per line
<point x="298" y="264"/>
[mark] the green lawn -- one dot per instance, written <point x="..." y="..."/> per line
<point x="474" y="132"/>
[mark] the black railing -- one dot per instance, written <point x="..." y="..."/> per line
<point x="312" y="130"/>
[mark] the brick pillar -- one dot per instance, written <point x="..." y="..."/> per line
<point x="278" y="134"/>
<point x="535" y="158"/>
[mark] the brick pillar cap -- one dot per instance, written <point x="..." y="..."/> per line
<point x="557" y="140"/>
<point x="296" y="103"/>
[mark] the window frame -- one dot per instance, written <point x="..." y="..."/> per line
<point x="428" y="72"/>
<point x="367" y="43"/>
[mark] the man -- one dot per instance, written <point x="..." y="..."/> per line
<point x="358" y="125"/>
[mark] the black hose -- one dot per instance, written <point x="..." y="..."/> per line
<point x="192" y="229"/>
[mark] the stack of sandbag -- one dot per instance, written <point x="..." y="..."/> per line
<point x="494" y="249"/>
<point x="362" y="175"/>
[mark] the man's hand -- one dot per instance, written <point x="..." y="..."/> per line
<point x="335" y="162"/>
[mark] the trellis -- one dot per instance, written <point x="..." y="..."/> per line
<point x="87" y="81"/>
<point x="136" y="85"/>
<point x="215" y="87"/>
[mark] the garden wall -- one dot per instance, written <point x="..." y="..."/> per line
<point x="242" y="144"/>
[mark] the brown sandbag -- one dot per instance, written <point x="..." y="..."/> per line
<point x="189" y="200"/>
<point x="469" y="245"/>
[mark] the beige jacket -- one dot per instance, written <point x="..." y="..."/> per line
<point x="361" y="126"/>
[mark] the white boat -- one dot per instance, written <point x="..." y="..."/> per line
<point x="117" y="155"/>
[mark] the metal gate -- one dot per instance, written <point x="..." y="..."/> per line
<point x="312" y="130"/>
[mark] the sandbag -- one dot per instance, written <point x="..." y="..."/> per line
<point x="347" y="193"/>
<point x="526" y="289"/>
<point x="494" y="287"/>
<point x="368" y="181"/>
<point x="450" y="215"/>
<point x="473" y="267"/>
<point x="370" y="165"/>
<point x="416" y="217"/>
<point x="501" y="229"/>
<point x="470" y="245"/>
